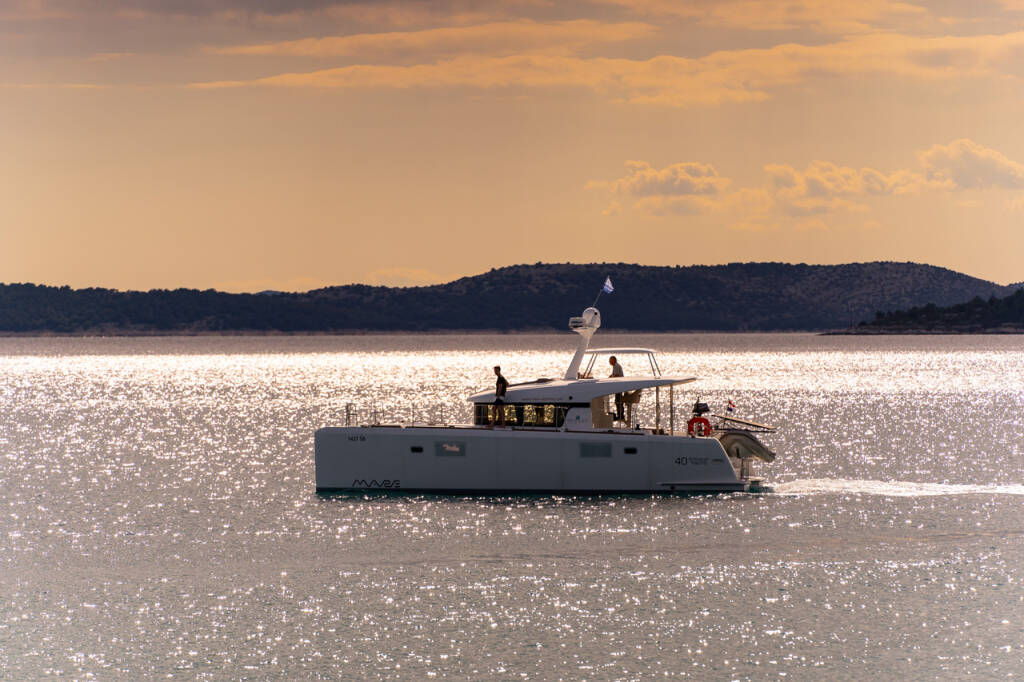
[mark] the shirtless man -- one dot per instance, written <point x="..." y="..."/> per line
<point x="617" y="372"/>
<point x="500" y="389"/>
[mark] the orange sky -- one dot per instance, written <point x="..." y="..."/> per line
<point x="296" y="144"/>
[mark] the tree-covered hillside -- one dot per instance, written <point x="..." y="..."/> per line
<point x="738" y="296"/>
<point x="977" y="315"/>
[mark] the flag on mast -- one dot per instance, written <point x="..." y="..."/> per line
<point x="606" y="288"/>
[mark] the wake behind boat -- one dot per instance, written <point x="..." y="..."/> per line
<point x="578" y="434"/>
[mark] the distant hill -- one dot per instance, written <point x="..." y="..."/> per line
<point x="734" y="297"/>
<point x="976" y="316"/>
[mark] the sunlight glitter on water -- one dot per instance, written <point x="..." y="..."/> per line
<point x="159" y="518"/>
<point x="891" y="488"/>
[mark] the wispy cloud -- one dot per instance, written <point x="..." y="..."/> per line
<point x="53" y="86"/>
<point x="725" y="76"/>
<point x="495" y="38"/>
<point x="46" y="9"/>
<point x="825" y="16"/>
<point x="383" y="14"/>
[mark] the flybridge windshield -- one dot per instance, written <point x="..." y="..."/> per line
<point x="639" y="360"/>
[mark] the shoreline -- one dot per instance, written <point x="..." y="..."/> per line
<point x="371" y="332"/>
<point x="229" y="333"/>
<point x="924" y="332"/>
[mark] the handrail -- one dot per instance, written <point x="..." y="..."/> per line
<point x="374" y="415"/>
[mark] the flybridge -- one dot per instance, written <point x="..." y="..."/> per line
<point x="579" y="399"/>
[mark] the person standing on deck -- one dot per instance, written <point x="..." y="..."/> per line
<point x="617" y="372"/>
<point x="500" y="389"/>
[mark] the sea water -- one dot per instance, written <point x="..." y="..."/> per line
<point x="158" y="518"/>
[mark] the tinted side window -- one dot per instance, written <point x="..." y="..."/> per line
<point x="595" y="450"/>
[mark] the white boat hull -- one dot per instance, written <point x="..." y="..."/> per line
<point x="467" y="460"/>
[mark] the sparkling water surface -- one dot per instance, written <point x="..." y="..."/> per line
<point x="159" y="518"/>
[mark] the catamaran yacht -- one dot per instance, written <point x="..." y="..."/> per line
<point x="578" y="434"/>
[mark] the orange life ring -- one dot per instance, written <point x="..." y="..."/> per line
<point x="698" y="426"/>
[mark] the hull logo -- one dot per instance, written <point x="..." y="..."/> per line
<point x="374" y="483"/>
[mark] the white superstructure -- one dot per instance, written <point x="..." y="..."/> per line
<point x="577" y="434"/>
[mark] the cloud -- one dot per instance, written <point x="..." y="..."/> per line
<point x="674" y="205"/>
<point x="680" y="189"/>
<point x="614" y="208"/>
<point x="690" y="177"/>
<point x="53" y="86"/>
<point x="317" y="16"/>
<point x="968" y="165"/>
<point x="407" y="15"/>
<point x="750" y="200"/>
<point x="694" y="187"/>
<point x="725" y="76"/>
<point x="33" y="9"/>
<point x="495" y="38"/>
<point x="824" y="16"/>
<point x="823" y="187"/>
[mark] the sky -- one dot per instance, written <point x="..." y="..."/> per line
<point x="295" y="144"/>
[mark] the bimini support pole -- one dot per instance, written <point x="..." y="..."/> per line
<point x="671" y="411"/>
<point x="657" y="408"/>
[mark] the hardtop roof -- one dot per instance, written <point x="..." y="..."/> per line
<point x="578" y="390"/>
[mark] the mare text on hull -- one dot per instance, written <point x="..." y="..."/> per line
<point x="576" y="435"/>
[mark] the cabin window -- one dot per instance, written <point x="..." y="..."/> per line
<point x="550" y="415"/>
<point x="595" y="450"/>
<point x="483" y="414"/>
